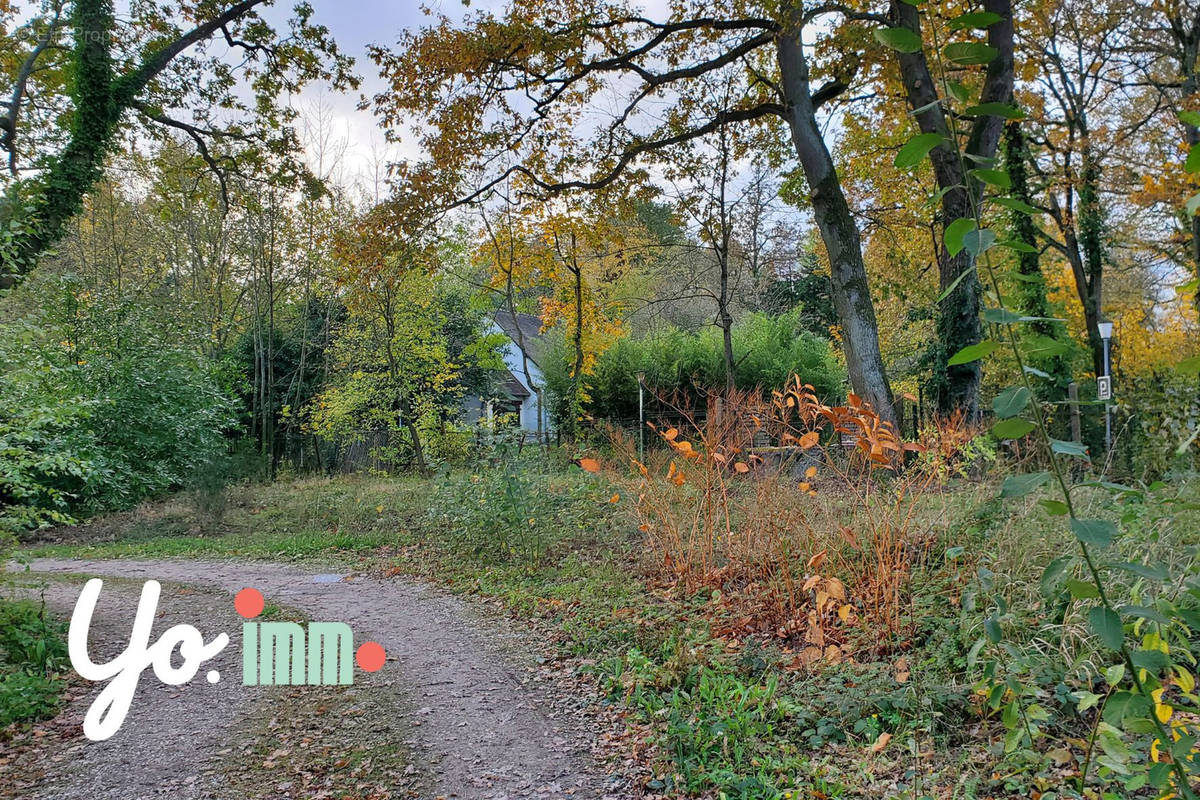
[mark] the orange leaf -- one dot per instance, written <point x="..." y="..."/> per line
<point x="740" y="467"/>
<point x="589" y="464"/>
<point x="809" y="439"/>
<point x="614" y="498"/>
<point x="881" y="742"/>
<point x="811" y="472"/>
<point x="670" y="434"/>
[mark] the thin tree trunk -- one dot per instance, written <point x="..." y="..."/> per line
<point x="839" y="232"/>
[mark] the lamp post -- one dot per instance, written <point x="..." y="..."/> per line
<point x="641" y="376"/>
<point x="1104" y="385"/>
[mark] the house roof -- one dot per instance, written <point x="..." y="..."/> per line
<point x="526" y="332"/>
<point x="507" y="385"/>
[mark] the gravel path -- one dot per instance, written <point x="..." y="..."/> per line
<point x="472" y="723"/>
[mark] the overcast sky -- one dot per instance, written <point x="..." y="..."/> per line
<point x="356" y="24"/>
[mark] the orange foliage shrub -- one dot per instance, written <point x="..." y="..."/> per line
<point x="800" y="515"/>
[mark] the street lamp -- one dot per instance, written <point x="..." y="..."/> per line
<point x="1104" y="384"/>
<point x="641" y="376"/>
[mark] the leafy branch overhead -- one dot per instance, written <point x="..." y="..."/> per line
<point x="85" y="73"/>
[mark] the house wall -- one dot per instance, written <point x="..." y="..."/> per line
<point x="529" y="408"/>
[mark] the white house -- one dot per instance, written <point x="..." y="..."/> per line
<point x="519" y="387"/>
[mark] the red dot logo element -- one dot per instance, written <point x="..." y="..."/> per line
<point x="370" y="656"/>
<point x="248" y="602"/>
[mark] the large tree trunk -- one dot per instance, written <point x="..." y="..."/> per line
<point x="839" y="232"/>
<point x="958" y="319"/>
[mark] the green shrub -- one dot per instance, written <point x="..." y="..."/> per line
<point x="25" y="697"/>
<point x="32" y="650"/>
<point x="100" y="407"/>
<point x="513" y="511"/>
<point x="768" y="351"/>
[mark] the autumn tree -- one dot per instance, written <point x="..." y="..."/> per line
<point x="573" y="261"/>
<point x="499" y="99"/>
<point x="1168" y="33"/>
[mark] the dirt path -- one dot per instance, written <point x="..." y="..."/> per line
<point x="474" y="726"/>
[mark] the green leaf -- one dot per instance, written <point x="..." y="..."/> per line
<point x="901" y="39"/>
<point x="1001" y="316"/>
<point x="1096" y="532"/>
<point x="1193" y="159"/>
<point x="1189" y="367"/>
<point x="1003" y="110"/>
<point x="1065" y="448"/>
<point x="978" y="240"/>
<point x="1082" y="590"/>
<point x="970" y="53"/>
<point x="972" y="352"/>
<point x="954" y="283"/>
<point x="1011" y="401"/>
<point x="1013" y="428"/>
<point x="1114" y="674"/>
<point x="1023" y="484"/>
<point x="955" y="232"/>
<point x="1153" y="661"/>
<point x="1046" y="347"/>
<point x="1190" y="118"/>
<point x="1019" y="246"/>
<point x="1054" y="574"/>
<point x="1154" y="573"/>
<point x="916" y="148"/>
<point x="1105" y="623"/>
<point x="959" y="92"/>
<point x="977" y="19"/>
<point x="1055" y="508"/>
<point x="1192" y="205"/>
<point x="995" y="177"/>
<point x="1014" y="204"/>
<point x="992" y="628"/>
<point x="1145" y="613"/>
